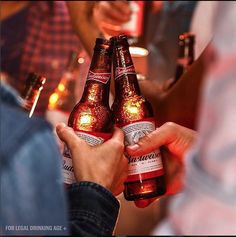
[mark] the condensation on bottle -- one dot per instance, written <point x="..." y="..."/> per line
<point x="134" y="114"/>
<point x="91" y="117"/>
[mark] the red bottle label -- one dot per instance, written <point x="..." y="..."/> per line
<point x="120" y="71"/>
<point x="146" y="166"/>
<point x="93" y="139"/>
<point x="100" y="77"/>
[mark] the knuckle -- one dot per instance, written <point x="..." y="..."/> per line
<point x="169" y="125"/>
<point x="118" y="145"/>
<point x="145" y="140"/>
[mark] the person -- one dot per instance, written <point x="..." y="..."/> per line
<point x="206" y="205"/>
<point x="36" y="37"/>
<point x="33" y="198"/>
<point x="165" y="22"/>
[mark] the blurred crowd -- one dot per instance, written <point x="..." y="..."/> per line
<point x="195" y="117"/>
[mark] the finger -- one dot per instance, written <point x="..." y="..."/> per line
<point x="116" y="139"/>
<point x="114" y="12"/>
<point x="123" y="7"/>
<point x="67" y="135"/>
<point x="144" y="203"/>
<point x="162" y="136"/>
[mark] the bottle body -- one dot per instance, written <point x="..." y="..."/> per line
<point x="134" y="114"/>
<point x="91" y="117"/>
<point x="31" y="93"/>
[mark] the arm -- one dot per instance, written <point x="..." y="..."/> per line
<point x="93" y="207"/>
<point x="180" y="103"/>
<point x="82" y="21"/>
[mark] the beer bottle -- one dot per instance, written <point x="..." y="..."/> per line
<point x="185" y="54"/>
<point x="91" y="117"/>
<point x="33" y="87"/>
<point x="63" y="99"/>
<point x="134" y="114"/>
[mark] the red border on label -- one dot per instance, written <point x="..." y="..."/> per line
<point x="144" y="176"/>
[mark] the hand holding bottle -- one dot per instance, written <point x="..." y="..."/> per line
<point x="176" y="140"/>
<point x="104" y="164"/>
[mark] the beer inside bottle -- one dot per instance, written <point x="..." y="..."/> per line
<point x="134" y="114"/>
<point x="91" y="117"/>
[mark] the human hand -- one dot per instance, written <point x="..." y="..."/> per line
<point x="110" y="15"/>
<point x="104" y="164"/>
<point x="174" y="141"/>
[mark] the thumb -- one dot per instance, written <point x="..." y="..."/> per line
<point x="67" y="135"/>
<point x="148" y="143"/>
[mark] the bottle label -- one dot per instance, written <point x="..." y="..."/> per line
<point x="120" y="71"/>
<point x="100" y="77"/>
<point x="146" y="166"/>
<point x="93" y="139"/>
<point x="134" y="26"/>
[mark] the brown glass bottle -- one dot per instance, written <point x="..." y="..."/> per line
<point x="91" y="117"/>
<point x="134" y="114"/>
<point x="185" y="54"/>
<point x="33" y="87"/>
<point x="63" y="98"/>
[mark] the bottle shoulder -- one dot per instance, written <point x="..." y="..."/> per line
<point x="91" y="117"/>
<point x="130" y="109"/>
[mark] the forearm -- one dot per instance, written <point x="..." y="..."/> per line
<point x="82" y="21"/>
<point x="93" y="210"/>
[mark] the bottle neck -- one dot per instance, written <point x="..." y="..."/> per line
<point x="98" y="80"/>
<point x="126" y="83"/>
<point x="186" y="54"/>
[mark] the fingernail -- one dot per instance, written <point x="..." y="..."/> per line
<point x="60" y="126"/>
<point x="134" y="147"/>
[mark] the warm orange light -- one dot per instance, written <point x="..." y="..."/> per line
<point x="61" y="87"/>
<point x="86" y="119"/>
<point x="53" y="100"/>
<point x="132" y="109"/>
<point x="138" y="51"/>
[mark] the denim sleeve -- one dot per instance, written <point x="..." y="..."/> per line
<point x="33" y="200"/>
<point x="93" y="210"/>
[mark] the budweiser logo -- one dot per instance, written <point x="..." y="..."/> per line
<point x="149" y="156"/>
<point x="67" y="167"/>
<point x="101" y="77"/>
<point x="124" y="70"/>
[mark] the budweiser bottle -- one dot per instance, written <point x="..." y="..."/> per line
<point x="33" y="87"/>
<point x="185" y="54"/>
<point x="91" y="117"/>
<point x="133" y="113"/>
<point x="62" y="100"/>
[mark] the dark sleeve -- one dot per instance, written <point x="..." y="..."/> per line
<point x="93" y="209"/>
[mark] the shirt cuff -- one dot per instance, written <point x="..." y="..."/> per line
<point x="94" y="204"/>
